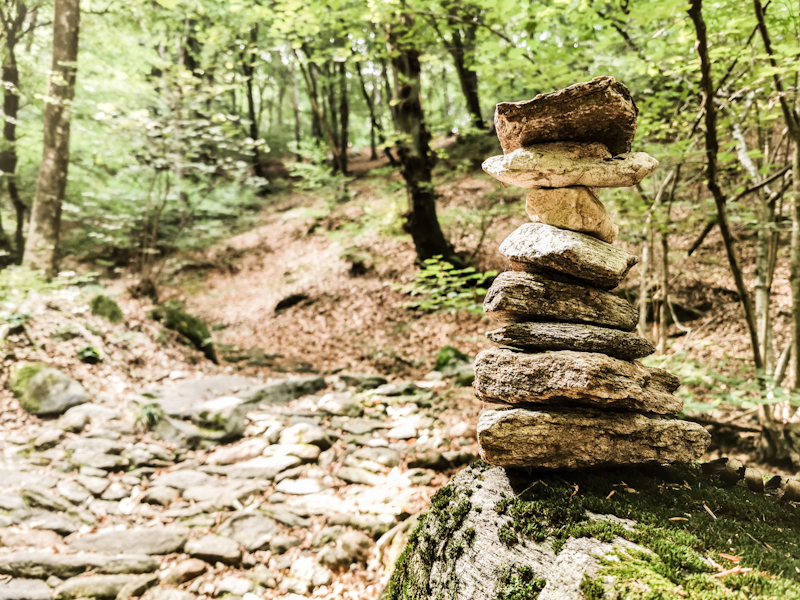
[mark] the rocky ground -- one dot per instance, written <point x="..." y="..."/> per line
<point x="156" y="474"/>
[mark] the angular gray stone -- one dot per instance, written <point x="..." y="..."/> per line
<point x="359" y="476"/>
<point x="343" y="404"/>
<point x="249" y="448"/>
<point x="97" y="587"/>
<point x="363" y="381"/>
<point x="178" y="432"/>
<point x="574" y="208"/>
<point x="222" y="495"/>
<point x="235" y="586"/>
<point x="96" y="485"/>
<point x="306" y="433"/>
<point x="300" y="487"/>
<point x="73" y="491"/>
<point x="515" y="296"/>
<point x="161" y="593"/>
<point x="566" y="164"/>
<point x="600" y="110"/>
<point x="151" y="540"/>
<point x="160" y="495"/>
<point x="98" y="460"/>
<point x="183" y="479"/>
<point x="44" y="519"/>
<point x="41" y="565"/>
<point x="36" y="496"/>
<point x="213" y="549"/>
<point x="251" y="530"/>
<point x="225" y="414"/>
<point x="261" y="467"/>
<point x="305" y="452"/>
<point x="281" y="544"/>
<point x="551" y="439"/>
<point x="537" y="247"/>
<point x="142" y="454"/>
<point x="24" y="589"/>
<point x="48" y="392"/>
<point x="383" y="456"/>
<point x="283" y="391"/>
<point x="565" y="378"/>
<point x="540" y="337"/>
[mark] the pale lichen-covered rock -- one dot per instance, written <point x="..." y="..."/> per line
<point x="516" y="296"/>
<point x="539" y="337"/>
<point x="576" y="439"/>
<point x="600" y="110"/>
<point x="565" y="378"/>
<point x="537" y="248"/>
<point x="564" y="164"/>
<point x="574" y="208"/>
<point x="45" y="391"/>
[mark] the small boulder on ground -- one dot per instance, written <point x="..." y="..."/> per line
<point x="45" y="391"/>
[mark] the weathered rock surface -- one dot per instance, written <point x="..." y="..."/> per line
<point x="566" y="378"/>
<point x="540" y="337"/>
<point x="517" y="296"/>
<point x="574" y="208"/>
<point x="252" y="531"/>
<point x="45" y="391"/>
<point x="151" y="540"/>
<point x="565" y="164"/>
<point x="225" y="414"/>
<point x="213" y="549"/>
<point x="24" y="589"/>
<point x="600" y="110"/>
<point x="551" y="439"/>
<point x="100" y="586"/>
<point x="40" y="565"/>
<point x="536" y="247"/>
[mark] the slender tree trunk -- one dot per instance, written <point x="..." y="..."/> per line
<point x="644" y="283"/>
<point x="296" y="108"/>
<point x="461" y="45"/>
<point x="41" y="248"/>
<point x="8" y="155"/>
<point x="413" y="147"/>
<point x="344" y="118"/>
<point x="375" y="126"/>
<point x="663" y="311"/>
<point x="249" y="69"/>
<point x="712" y="145"/>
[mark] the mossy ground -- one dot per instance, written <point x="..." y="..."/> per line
<point x="107" y="308"/>
<point x="192" y="328"/>
<point x="682" y="517"/>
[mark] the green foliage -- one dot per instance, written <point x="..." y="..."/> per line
<point x="315" y="171"/>
<point x="148" y="415"/>
<point x="107" y="308"/>
<point x="442" y="287"/>
<point x="190" y="327"/>
<point x="519" y="584"/>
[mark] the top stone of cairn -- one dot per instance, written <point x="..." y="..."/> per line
<point x="600" y="110"/>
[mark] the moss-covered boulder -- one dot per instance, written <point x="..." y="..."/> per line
<point x="190" y="327"/>
<point x="662" y="533"/>
<point x="45" y="391"/>
<point x="106" y="307"/>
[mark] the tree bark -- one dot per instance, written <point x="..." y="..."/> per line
<point x="296" y="109"/>
<point x="375" y="126"/>
<point x="413" y="147"/>
<point x="712" y="145"/>
<point x="344" y="118"/>
<point x="463" y="42"/>
<point x="41" y="248"/>
<point x="248" y="69"/>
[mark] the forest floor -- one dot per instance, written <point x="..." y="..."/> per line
<point x="311" y="293"/>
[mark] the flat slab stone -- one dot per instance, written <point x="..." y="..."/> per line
<point x="515" y="296"/>
<point x="150" y="540"/>
<point x="537" y="247"/>
<point x="251" y="530"/>
<point x="540" y="337"/>
<point x="41" y="565"/>
<point x="575" y="208"/>
<point x="100" y="587"/>
<point x="261" y="467"/>
<point x="585" y="438"/>
<point x="565" y="164"/>
<point x="27" y="589"/>
<point x="600" y="110"/>
<point x="566" y="378"/>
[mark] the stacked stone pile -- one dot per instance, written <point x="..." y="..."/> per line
<point x="566" y="368"/>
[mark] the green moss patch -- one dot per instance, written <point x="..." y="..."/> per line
<point x="519" y="584"/>
<point x="19" y="381"/>
<point x="106" y="307"/>
<point x="190" y="327"/>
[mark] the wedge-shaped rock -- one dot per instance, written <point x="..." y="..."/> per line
<point x="566" y="378"/>
<point x="600" y="110"/>
<point x="42" y="565"/>
<point x="574" y="208"/>
<point x="565" y="164"/>
<point x="586" y="438"/>
<point x="540" y="248"/>
<point x="516" y="296"/>
<point x="540" y="337"/>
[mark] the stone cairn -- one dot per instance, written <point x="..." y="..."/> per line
<point x="574" y="395"/>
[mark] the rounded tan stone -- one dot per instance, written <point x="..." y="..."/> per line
<point x="574" y="208"/>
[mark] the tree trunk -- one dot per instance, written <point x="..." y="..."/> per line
<point x="463" y="43"/>
<point x="344" y="118"/>
<point x="375" y="126"/>
<point x="663" y="311"/>
<point x="248" y="69"/>
<point x="41" y="249"/>
<point x="296" y="109"/>
<point x="413" y="148"/>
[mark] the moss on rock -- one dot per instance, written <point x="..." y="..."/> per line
<point x="106" y="307"/>
<point x="668" y="532"/>
<point x="190" y="327"/>
<point x="19" y="380"/>
<point x="43" y="390"/>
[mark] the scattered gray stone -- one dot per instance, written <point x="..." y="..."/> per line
<point x="358" y="426"/>
<point x="97" y="586"/>
<point x="152" y="540"/>
<point x="227" y="495"/>
<point x="244" y="450"/>
<point x="326" y="535"/>
<point x="47" y="438"/>
<point x="281" y="544"/>
<point x="251" y="530"/>
<point x="73" y="491"/>
<point x="24" y="589"/>
<point x="582" y="438"/>
<point x="286" y="516"/>
<point x="261" y="467"/>
<point x="225" y="414"/>
<point x="301" y="487"/>
<point x="404" y="431"/>
<point x="600" y="110"/>
<point x="351" y="547"/>
<point x="536" y="247"/>
<point x="359" y="476"/>
<point x="12" y="501"/>
<point x="305" y="433"/>
<point x="98" y="460"/>
<point x="161" y="593"/>
<point x="375" y="525"/>
<point x="236" y="586"/>
<point x="136" y="587"/>
<point x="305" y="452"/>
<point x="341" y="403"/>
<point x="116" y="491"/>
<point x="363" y="381"/>
<point x="29" y="538"/>
<point x="96" y="444"/>
<point x="183" y="479"/>
<point x="327" y="458"/>
<point x="184" y="571"/>
<point x="178" y="432"/>
<point x="291" y="473"/>
<point x="96" y="485"/>
<point x="213" y="549"/>
<point x="308" y="569"/>
<point x="160" y="495"/>
<point x="44" y="519"/>
<point x="41" y="565"/>
<point x="36" y="496"/>
<point x="283" y="391"/>
<point x="18" y="476"/>
<point x="45" y="391"/>
<point x="418" y="477"/>
<point x="540" y="337"/>
<point x="142" y="454"/>
<point x="399" y="388"/>
<point x="74" y="420"/>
